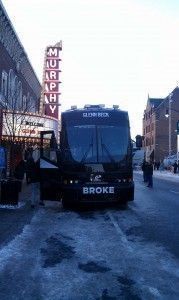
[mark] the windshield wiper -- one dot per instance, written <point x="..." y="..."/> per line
<point x="87" y="152"/>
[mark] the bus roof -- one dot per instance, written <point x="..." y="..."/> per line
<point x="99" y="107"/>
<point x="95" y="114"/>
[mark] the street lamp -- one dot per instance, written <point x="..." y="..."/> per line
<point x="168" y="115"/>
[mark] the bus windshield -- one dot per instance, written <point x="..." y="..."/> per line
<point x="96" y="143"/>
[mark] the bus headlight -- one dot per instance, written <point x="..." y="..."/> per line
<point x="70" y="181"/>
<point x="123" y="180"/>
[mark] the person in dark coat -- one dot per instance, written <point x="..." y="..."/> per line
<point x="34" y="179"/>
<point x="158" y="165"/>
<point x="29" y="167"/>
<point x="175" y="166"/>
<point x="149" y="174"/>
<point x="144" y="170"/>
<point x="19" y="173"/>
<point x="20" y="170"/>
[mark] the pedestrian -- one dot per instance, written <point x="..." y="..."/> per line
<point x="29" y="165"/>
<point x="149" y="174"/>
<point x="155" y="165"/>
<point x="19" y="173"/>
<point x="175" y="166"/>
<point x="34" y="177"/>
<point x="144" y="170"/>
<point x="28" y="152"/>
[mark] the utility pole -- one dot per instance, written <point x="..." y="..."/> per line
<point x="169" y="125"/>
<point x="177" y="141"/>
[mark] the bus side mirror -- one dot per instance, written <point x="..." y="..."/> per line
<point x="139" y="139"/>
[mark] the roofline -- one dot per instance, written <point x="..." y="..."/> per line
<point x="5" y="12"/>
<point x="166" y="98"/>
<point x="80" y="109"/>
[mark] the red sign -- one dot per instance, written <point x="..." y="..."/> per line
<point x="52" y="81"/>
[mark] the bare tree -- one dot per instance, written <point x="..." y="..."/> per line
<point x="18" y="120"/>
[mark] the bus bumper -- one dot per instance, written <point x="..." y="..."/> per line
<point x="98" y="193"/>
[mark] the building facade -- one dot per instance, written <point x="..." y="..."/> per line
<point x="156" y="129"/>
<point x="19" y="86"/>
<point x="20" y="90"/>
<point x="22" y="116"/>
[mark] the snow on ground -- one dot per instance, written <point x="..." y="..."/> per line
<point x="9" y="206"/>
<point x="168" y="175"/>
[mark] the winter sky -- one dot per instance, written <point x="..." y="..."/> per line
<point x="114" y="51"/>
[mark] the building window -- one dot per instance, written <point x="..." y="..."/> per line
<point x="32" y="104"/>
<point x="148" y="129"/>
<point x="15" y="94"/>
<point x="11" y="88"/>
<point x="152" y="140"/>
<point x="28" y="103"/>
<point x="19" y="96"/>
<point x="24" y="103"/>
<point x="4" y="82"/>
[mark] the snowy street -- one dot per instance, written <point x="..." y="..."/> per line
<point x="97" y="253"/>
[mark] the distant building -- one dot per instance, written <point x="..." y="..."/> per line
<point x="156" y="126"/>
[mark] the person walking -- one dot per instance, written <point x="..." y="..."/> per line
<point x="149" y="174"/>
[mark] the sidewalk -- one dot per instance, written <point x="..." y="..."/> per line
<point x="166" y="175"/>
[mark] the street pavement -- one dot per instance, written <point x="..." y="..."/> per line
<point x="14" y="218"/>
<point x="96" y="253"/>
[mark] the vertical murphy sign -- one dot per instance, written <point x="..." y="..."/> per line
<point x="51" y="85"/>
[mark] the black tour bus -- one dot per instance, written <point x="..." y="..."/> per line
<point x="94" y="160"/>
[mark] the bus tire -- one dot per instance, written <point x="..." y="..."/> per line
<point x="66" y="204"/>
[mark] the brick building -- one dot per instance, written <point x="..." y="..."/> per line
<point x="21" y="119"/>
<point x="20" y="89"/>
<point x="19" y="84"/>
<point x="156" y="126"/>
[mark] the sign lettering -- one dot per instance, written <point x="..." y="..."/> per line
<point x="51" y="80"/>
<point x="98" y="190"/>
<point x="96" y="115"/>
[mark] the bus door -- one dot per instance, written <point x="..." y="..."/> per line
<point x="50" y="176"/>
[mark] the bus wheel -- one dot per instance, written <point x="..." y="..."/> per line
<point x="123" y="204"/>
<point x="66" y="204"/>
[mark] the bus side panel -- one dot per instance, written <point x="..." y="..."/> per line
<point x="50" y="185"/>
